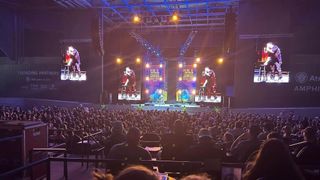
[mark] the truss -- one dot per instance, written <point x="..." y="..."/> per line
<point x="157" y="13"/>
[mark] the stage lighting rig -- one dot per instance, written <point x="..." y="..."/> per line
<point x="136" y="19"/>
<point x="119" y="60"/>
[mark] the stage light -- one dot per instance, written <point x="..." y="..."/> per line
<point x="220" y="61"/>
<point x="175" y="17"/>
<point x="194" y="65"/>
<point x="147" y="78"/>
<point x="194" y="79"/>
<point x="198" y="60"/>
<point x="179" y="91"/>
<point x="147" y="65"/>
<point x="193" y="92"/>
<point x="136" y="19"/>
<point x="161" y="65"/>
<point x="119" y="60"/>
<point x="180" y="78"/>
<point x="160" y="91"/>
<point x="138" y="60"/>
<point x="160" y="79"/>
<point x="180" y="65"/>
<point x="147" y="91"/>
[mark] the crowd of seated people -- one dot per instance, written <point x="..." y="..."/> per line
<point x="230" y="137"/>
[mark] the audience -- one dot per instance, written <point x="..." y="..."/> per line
<point x="185" y="136"/>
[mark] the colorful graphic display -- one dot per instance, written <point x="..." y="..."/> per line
<point x="187" y="83"/>
<point x="155" y="82"/>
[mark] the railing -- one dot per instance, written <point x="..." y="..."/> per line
<point x="57" y="150"/>
<point x="8" y="174"/>
<point x="10" y="138"/>
<point x="184" y="165"/>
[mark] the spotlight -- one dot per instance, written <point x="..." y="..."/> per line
<point x="147" y="91"/>
<point x="180" y="78"/>
<point x="194" y="65"/>
<point x="160" y="91"/>
<point x="193" y="92"/>
<point x="179" y="91"/>
<point x="194" y="79"/>
<point x="198" y="60"/>
<point x="160" y="65"/>
<point x="138" y="60"/>
<point x="147" y="78"/>
<point x="119" y="60"/>
<point x="160" y="79"/>
<point x="136" y="19"/>
<point x="175" y="17"/>
<point x="147" y="65"/>
<point x="220" y="61"/>
<point x="180" y="65"/>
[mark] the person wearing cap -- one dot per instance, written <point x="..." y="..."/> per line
<point x="117" y="136"/>
<point x="205" y="149"/>
<point x="130" y="150"/>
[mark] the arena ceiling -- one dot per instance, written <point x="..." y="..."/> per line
<point x="192" y="14"/>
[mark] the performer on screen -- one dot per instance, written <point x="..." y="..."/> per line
<point x="129" y="82"/>
<point x="72" y="59"/>
<point x="208" y="83"/>
<point x="274" y="60"/>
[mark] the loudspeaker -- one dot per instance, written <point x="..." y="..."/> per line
<point x="15" y="152"/>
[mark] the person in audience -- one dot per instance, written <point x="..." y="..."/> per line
<point x="227" y="141"/>
<point x="129" y="173"/>
<point x="204" y="150"/>
<point x="273" y="162"/>
<point x="130" y="150"/>
<point x="287" y="136"/>
<point x="137" y="172"/>
<point x="309" y="154"/>
<point x="117" y="136"/>
<point x="247" y="145"/>
<point x="237" y="131"/>
<point x="174" y="144"/>
<point x="71" y="140"/>
<point x="267" y="128"/>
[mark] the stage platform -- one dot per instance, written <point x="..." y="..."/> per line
<point x="188" y="107"/>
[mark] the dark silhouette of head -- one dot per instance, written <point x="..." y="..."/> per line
<point x="238" y="124"/>
<point x="204" y="135"/>
<point x="137" y="172"/>
<point x="196" y="177"/>
<point x="133" y="136"/>
<point x="273" y="161"/>
<point x="309" y="134"/>
<point x="268" y="127"/>
<point x="254" y="131"/>
<point x="178" y="127"/>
